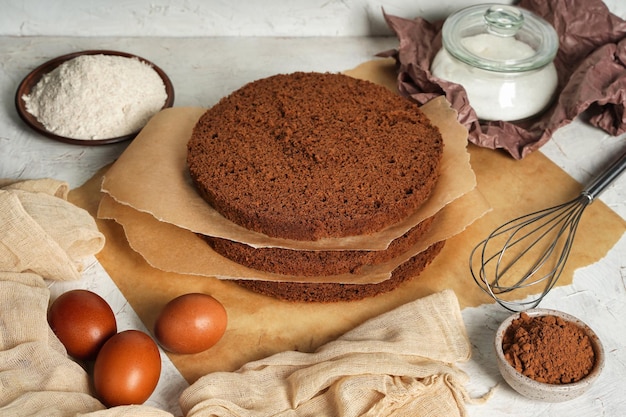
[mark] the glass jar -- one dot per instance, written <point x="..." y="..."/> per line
<point x="503" y="56"/>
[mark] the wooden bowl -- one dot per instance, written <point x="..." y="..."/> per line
<point x="34" y="76"/>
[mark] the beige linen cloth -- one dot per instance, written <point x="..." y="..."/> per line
<point x="401" y="363"/>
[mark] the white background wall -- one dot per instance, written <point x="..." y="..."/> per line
<point x="213" y="17"/>
<point x="191" y="18"/>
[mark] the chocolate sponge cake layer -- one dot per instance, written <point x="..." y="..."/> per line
<point x="314" y="263"/>
<point x="332" y="292"/>
<point x="306" y="156"/>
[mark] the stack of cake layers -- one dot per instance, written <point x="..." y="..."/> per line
<point x="171" y="230"/>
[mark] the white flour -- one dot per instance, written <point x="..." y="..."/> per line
<point x="97" y="97"/>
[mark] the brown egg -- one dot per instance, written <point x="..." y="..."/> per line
<point x="127" y="369"/>
<point x="191" y="323"/>
<point x="83" y="321"/>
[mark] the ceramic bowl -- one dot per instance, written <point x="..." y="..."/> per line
<point x="29" y="82"/>
<point x="542" y="391"/>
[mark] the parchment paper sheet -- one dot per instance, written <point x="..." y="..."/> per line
<point x="260" y="326"/>
<point x="178" y="249"/>
<point x="174" y="249"/>
<point x="151" y="176"/>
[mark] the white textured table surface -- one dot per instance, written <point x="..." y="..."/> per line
<point x="205" y="69"/>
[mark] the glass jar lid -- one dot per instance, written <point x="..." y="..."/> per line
<point x="501" y="38"/>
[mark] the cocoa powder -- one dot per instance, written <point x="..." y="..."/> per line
<point x="548" y="349"/>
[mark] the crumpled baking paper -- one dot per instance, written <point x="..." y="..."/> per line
<point x="591" y="68"/>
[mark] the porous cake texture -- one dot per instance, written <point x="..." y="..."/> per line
<point x="308" y="156"/>
<point x="335" y="292"/>
<point x="315" y="263"/>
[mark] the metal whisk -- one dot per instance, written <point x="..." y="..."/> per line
<point x="542" y="239"/>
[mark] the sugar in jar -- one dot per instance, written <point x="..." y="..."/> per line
<point x="503" y="57"/>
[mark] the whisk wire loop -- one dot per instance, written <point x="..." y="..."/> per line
<point x="552" y="230"/>
<point x="545" y="237"/>
<point x="540" y="220"/>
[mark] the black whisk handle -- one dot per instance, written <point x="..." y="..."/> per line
<point x="605" y="179"/>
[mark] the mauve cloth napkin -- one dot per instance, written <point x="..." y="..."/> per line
<point x="591" y="67"/>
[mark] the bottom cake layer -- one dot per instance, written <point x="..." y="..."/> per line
<point x="334" y="292"/>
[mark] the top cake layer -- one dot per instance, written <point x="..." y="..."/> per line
<point x="306" y="156"/>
